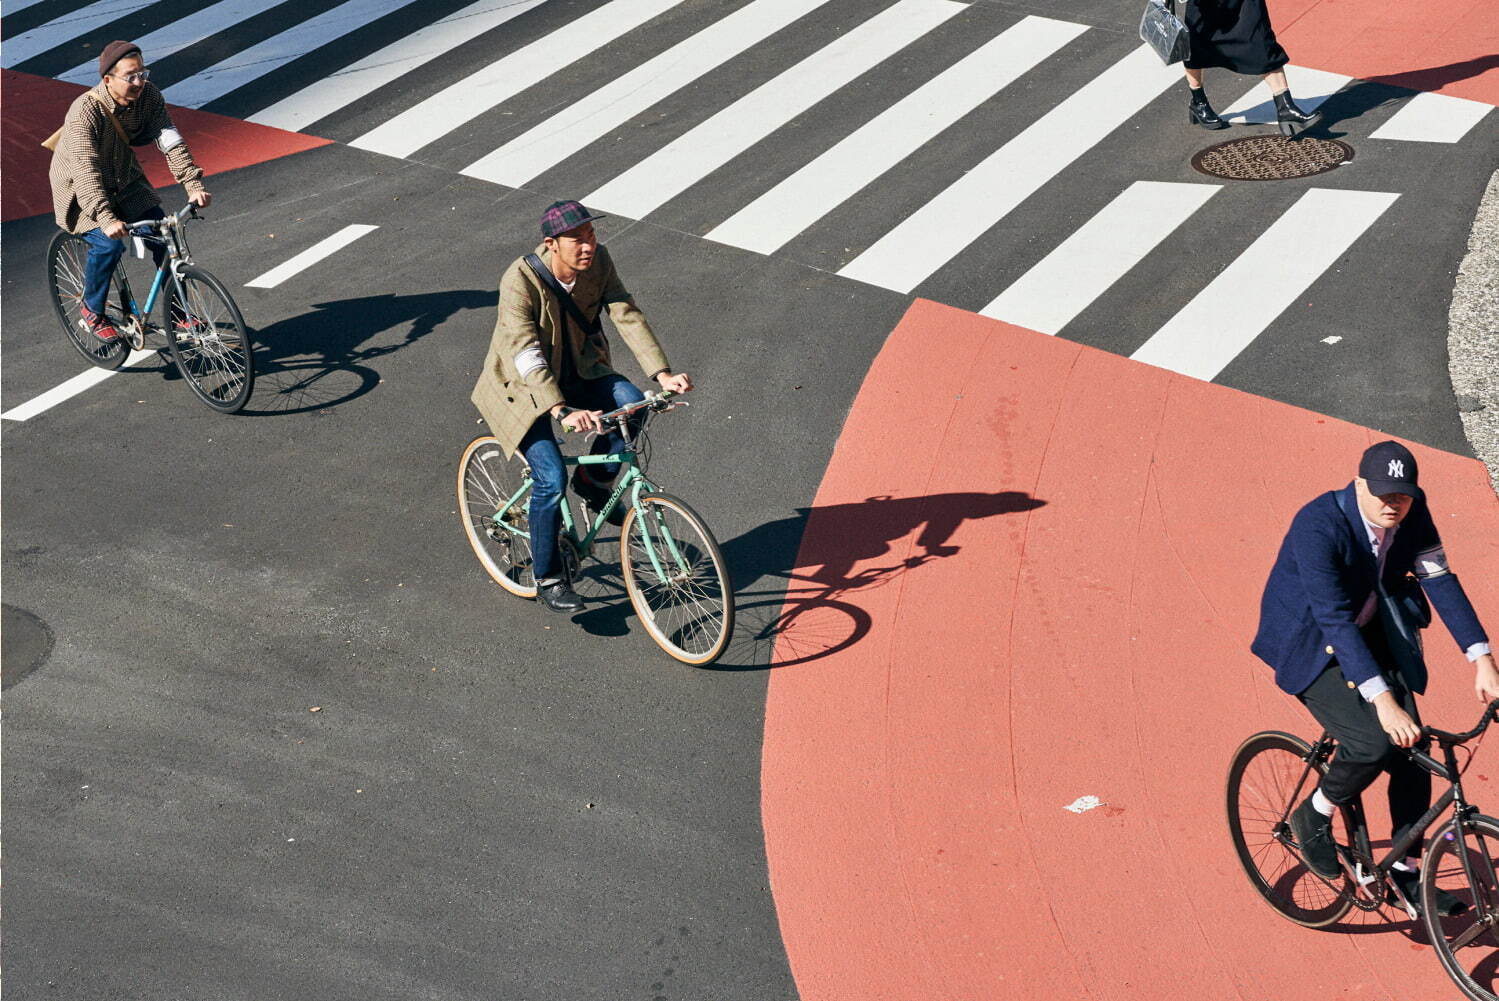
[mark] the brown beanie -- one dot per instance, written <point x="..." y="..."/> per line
<point x="113" y="53"/>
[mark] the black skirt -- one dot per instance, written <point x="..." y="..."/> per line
<point x="1234" y="34"/>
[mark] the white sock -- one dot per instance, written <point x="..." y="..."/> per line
<point x="1322" y="804"/>
<point x="1410" y="864"/>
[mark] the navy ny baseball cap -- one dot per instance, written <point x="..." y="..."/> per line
<point x="1389" y="468"/>
<point x="563" y="216"/>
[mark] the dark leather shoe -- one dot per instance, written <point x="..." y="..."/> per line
<point x="596" y="497"/>
<point x="1314" y="834"/>
<point x="1290" y="118"/>
<point x="560" y="597"/>
<point x="1409" y="886"/>
<point x="1202" y="113"/>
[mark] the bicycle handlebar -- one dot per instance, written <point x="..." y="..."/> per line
<point x="1444" y="737"/>
<point x="145" y="226"/>
<point x="655" y="401"/>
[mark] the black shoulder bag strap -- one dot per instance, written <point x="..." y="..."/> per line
<point x="550" y="281"/>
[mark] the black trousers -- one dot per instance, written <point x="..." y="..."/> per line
<point x="1364" y="750"/>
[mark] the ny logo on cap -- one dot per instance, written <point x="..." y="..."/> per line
<point x="1397" y="469"/>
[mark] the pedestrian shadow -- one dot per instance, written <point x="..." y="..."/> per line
<point x="1364" y="96"/>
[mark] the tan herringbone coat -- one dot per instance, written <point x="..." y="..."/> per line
<point x="530" y="318"/>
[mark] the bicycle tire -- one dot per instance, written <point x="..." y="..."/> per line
<point x="1442" y="868"/>
<point x="1261" y="782"/>
<point x="67" y="256"/>
<point x="486" y="479"/>
<point x="690" y="614"/>
<point x="214" y="353"/>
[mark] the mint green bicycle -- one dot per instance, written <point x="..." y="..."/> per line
<point x="673" y="569"/>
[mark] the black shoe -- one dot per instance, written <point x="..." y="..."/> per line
<point x="560" y="597"/>
<point x="1202" y="113"/>
<point x="1314" y="834"/>
<point x="1292" y="119"/>
<point x="1408" y="884"/>
<point x="596" y="497"/>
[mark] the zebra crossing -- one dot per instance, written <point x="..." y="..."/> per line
<point x="804" y="70"/>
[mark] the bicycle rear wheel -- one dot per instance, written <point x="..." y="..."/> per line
<point x="210" y="343"/>
<point x="67" y="258"/>
<point x="1464" y="863"/>
<point x="1262" y="790"/>
<point x="683" y="596"/>
<point x="486" y="480"/>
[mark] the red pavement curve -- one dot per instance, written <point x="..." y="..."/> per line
<point x="1058" y="577"/>
<point x="35" y="106"/>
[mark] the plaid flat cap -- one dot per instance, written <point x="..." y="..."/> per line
<point x="563" y="216"/>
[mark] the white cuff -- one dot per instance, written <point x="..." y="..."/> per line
<point x="1477" y="650"/>
<point x="1373" y="688"/>
<point x="530" y="360"/>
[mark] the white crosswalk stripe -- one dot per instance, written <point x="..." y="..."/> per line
<point x="180" y="34"/>
<point x="688" y="159"/>
<point x="475" y="94"/>
<point x="1098" y="254"/>
<point x="1272" y="273"/>
<point x="64" y="28"/>
<point x="607" y="108"/>
<point x="1433" y="118"/>
<point x="773" y="219"/>
<point x="1309" y="88"/>
<point x="981" y="198"/>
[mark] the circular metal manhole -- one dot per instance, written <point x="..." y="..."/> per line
<point x="26" y="644"/>
<point x="1271" y="158"/>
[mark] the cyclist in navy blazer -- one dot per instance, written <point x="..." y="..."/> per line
<point x="1321" y="629"/>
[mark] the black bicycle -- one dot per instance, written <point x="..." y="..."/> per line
<point x="1273" y="771"/>
<point x="201" y="325"/>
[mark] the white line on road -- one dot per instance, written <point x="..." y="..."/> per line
<point x="66" y="391"/>
<point x="255" y="62"/>
<point x="1433" y="118"/>
<point x="1225" y="318"/>
<point x="310" y="256"/>
<point x="1101" y="251"/>
<point x="770" y="221"/>
<point x="939" y="230"/>
<point x="338" y="90"/>
<point x="178" y="35"/>
<point x="1309" y="88"/>
<point x="691" y="157"/>
<point x="476" y="93"/>
<point x="66" y="28"/>
<point x="593" y="116"/>
<point x="11" y="6"/>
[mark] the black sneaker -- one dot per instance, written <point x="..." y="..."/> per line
<point x="1408" y="883"/>
<point x="560" y="597"/>
<point x="596" y="497"/>
<point x="1314" y="834"/>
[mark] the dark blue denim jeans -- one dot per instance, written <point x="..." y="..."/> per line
<point x="549" y="474"/>
<point x="103" y="255"/>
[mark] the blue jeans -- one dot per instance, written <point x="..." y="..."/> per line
<point x="549" y="473"/>
<point x="103" y="255"/>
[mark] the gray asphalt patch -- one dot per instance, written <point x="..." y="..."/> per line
<point x="25" y="643"/>
<point x="1473" y="334"/>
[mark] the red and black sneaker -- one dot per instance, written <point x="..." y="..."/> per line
<point x="186" y="325"/>
<point x="97" y="324"/>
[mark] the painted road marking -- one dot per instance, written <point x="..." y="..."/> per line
<point x="1433" y="118"/>
<point x="595" y="115"/>
<point x="770" y="221"/>
<point x="1308" y="86"/>
<point x="499" y="81"/>
<point x="14" y="5"/>
<point x="333" y="93"/>
<point x="1272" y="273"/>
<point x="1098" y="254"/>
<point x="60" y="29"/>
<point x="178" y="35"/>
<point x="310" y="256"/>
<point x="683" y="162"/>
<point x="271" y="54"/>
<point x="966" y="209"/>
<point x="66" y="391"/>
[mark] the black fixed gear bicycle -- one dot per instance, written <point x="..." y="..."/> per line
<point x="1273" y="771"/>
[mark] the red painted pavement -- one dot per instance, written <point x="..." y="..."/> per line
<point x="1447" y="47"/>
<point x="35" y="106"/>
<point x="1069" y="548"/>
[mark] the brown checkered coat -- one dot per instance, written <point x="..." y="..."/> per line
<point x="96" y="179"/>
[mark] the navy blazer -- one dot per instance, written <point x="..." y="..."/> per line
<point x="1323" y="577"/>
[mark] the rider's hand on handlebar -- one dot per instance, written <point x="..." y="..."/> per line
<point x="1396" y="722"/>
<point x="1486" y="683"/>
<point x="200" y="199"/>
<point x="115" y="230"/>
<point x="583" y="420"/>
<point x="681" y="382"/>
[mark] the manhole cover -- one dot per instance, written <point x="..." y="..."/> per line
<point x="25" y="642"/>
<point x="1271" y="158"/>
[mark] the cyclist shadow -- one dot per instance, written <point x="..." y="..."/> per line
<point x="816" y="612"/>
<point x="316" y="360"/>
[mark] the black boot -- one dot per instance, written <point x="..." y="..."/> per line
<point x="1200" y="112"/>
<point x="1292" y="119"/>
<point x="1314" y="834"/>
<point x="559" y="596"/>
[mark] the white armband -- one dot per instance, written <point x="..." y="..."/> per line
<point x="530" y="360"/>
<point x="168" y="139"/>
<point x="1431" y="563"/>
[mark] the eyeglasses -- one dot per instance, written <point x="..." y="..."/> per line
<point x="139" y="76"/>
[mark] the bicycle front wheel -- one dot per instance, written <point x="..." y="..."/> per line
<point x="677" y="580"/>
<point x="1462" y="862"/>
<point x="1262" y="791"/>
<point x="67" y="259"/>
<point x="486" y="482"/>
<point x="210" y="343"/>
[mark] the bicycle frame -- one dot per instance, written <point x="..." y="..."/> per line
<point x="171" y="235"/>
